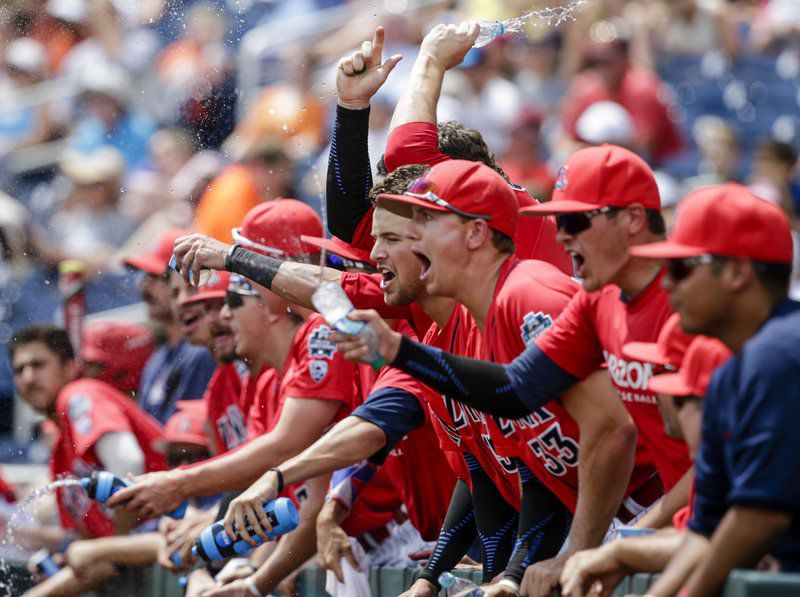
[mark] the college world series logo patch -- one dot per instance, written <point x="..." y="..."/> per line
<point x="320" y="345"/>
<point x="534" y="324"/>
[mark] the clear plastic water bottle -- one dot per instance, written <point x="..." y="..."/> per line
<point x="461" y="587"/>
<point x="489" y="30"/>
<point x="331" y="301"/>
<point x="202" y="279"/>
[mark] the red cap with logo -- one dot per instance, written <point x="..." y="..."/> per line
<point x="123" y="349"/>
<point x="156" y="260"/>
<point x="603" y="176"/>
<point x="702" y="358"/>
<point x="726" y="220"/>
<point x="214" y="288"/>
<point x="469" y="189"/>
<point x="186" y="425"/>
<point x="274" y="228"/>
<point x="668" y="349"/>
<point x="338" y="247"/>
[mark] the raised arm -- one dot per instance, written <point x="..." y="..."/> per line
<point x="358" y="78"/>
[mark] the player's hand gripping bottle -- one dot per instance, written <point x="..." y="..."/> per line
<point x="214" y="544"/>
<point x="101" y="485"/>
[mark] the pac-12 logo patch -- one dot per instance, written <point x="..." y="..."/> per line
<point x="533" y="324"/>
<point x="320" y="345"/>
<point x="561" y="179"/>
<point x="318" y="370"/>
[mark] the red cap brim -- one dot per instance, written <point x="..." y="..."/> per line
<point x="671" y="384"/>
<point x="162" y="443"/>
<point x="567" y="206"/>
<point x="666" y="250"/>
<point x="147" y="263"/>
<point x="401" y="204"/>
<point x="645" y="352"/>
<point x="202" y="296"/>
<point x="338" y="247"/>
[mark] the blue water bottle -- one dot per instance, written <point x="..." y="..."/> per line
<point x="44" y="563"/>
<point x="101" y="485"/>
<point x="214" y="544"/>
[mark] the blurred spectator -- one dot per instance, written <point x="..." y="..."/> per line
<point x="24" y="119"/>
<point x="523" y="161"/>
<point x="197" y="77"/>
<point x="611" y="76"/>
<point x="170" y="148"/>
<point x="116" y="353"/>
<point x="176" y="370"/>
<point x="773" y="176"/>
<point x="61" y="28"/>
<point x="535" y="62"/>
<point x="719" y="153"/>
<point x="109" y="118"/>
<point x="264" y="173"/>
<point x="606" y="122"/>
<point x="89" y="224"/>
<point x="777" y="22"/>
<point x="13" y="238"/>
<point x="692" y="27"/>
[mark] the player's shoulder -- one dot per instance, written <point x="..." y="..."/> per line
<point x="535" y="284"/>
<point x="772" y="353"/>
<point x="314" y="338"/>
<point x="86" y="389"/>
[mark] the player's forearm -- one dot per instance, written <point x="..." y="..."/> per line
<point x="692" y="550"/>
<point x="650" y="553"/>
<point x="350" y="441"/>
<point x="236" y="469"/>
<point x="298" y="546"/>
<point x="604" y="469"/>
<point x="660" y="516"/>
<point x="418" y="101"/>
<point x="295" y="282"/>
<point x="743" y="537"/>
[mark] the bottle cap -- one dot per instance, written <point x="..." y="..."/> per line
<point x="447" y="580"/>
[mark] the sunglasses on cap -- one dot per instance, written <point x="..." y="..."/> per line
<point x="576" y="223"/>
<point x="337" y="262"/>
<point x="186" y="456"/>
<point x="423" y="188"/>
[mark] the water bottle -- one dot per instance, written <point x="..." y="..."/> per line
<point x="489" y="30"/>
<point x="202" y="278"/>
<point x="101" y="485"/>
<point x="331" y="301"/>
<point x="462" y="587"/>
<point x="214" y="544"/>
<point x="44" y="563"/>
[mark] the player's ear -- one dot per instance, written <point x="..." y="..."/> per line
<point x="478" y="233"/>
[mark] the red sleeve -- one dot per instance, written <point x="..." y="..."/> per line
<point x="362" y="236"/>
<point x="364" y="291"/>
<point x="413" y="143"/>
<point x="571" y="342"/>
<point x="320" y="370"/>
<point x="91" y="411"/>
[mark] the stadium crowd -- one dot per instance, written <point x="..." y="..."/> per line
<point x="574" y="251"/>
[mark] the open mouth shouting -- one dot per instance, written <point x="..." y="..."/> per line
<point x="189" y="320"/>
<point x="424" y="261"/>
<point x="578" y="262"/>
<point x="388" y="277"/>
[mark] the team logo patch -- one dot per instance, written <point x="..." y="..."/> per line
<point x="533" y="324"/>
<point x="318" y="370"/>
<point x="80" y="413"/>
<point x="320" y="345"/>
<point x="561" y="179"/>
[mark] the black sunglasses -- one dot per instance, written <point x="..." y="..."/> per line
<point x="234" y="300"/>
<point x="680" y="268"/>
<point x="341" y="263"/>
<point x="575" y="223"/>
<point x="175" y="459"/>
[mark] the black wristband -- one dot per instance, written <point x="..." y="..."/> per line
<point x="278" y="472"/>
<point x="429" y="575"/>
<point x="254" y="266"/>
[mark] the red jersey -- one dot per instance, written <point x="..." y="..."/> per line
<point x="223" y="411"/>
<point x="416" y="467"/>
<point x="87" y="409"/>
<point x="418" y="143"/>
<point x="592" y="329"/>
<point x="455" y="422"/>
<point x="259" y="399"/>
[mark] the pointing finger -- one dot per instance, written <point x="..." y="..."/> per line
<point x="377" y="42"/>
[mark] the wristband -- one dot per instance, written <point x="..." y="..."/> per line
<point x="507" y="582"/>
<point x="278" y="472"/>
<point x="251" y="586"/>
<point x="229" y="255"/>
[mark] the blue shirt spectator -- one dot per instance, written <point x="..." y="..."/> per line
<point x="130" y="136"/>
<point x="174" y="373"/>
<point x="748" y="456"/>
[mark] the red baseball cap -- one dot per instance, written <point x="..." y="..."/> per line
<point x="702" y="358"/>
<point x="668" y="350"/>
<point x="727" y="220"/>
<point x="157" y="259"/>
<point x="337" y="246"/>
<point x="214" y="288"/>
<point x="122" y="347"/>
<point x="469" y="189"/>
<point x="274" y="228"/>
<point x="602" y="176"/>
<point x="186" y="425"/>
